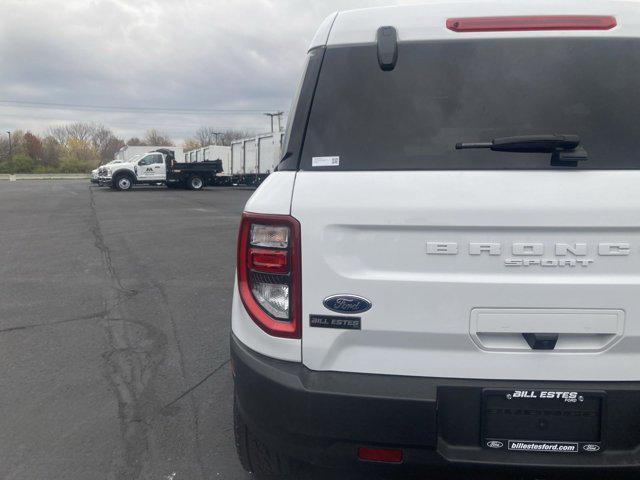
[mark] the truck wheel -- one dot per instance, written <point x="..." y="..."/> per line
<point x="256" y="456"/>
<point x="195" y="183"/>
<point x="123" y="183"/>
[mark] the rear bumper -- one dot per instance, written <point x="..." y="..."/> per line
<point x="323" y="417"/>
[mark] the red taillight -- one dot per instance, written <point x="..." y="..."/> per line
<point x="388" y="455"/>
<point x="548" y="22"/>
<point x="269" y="272"/>
<point x="269" y="261"/>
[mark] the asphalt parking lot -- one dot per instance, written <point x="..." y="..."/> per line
<point x="114" y="332"/>
<point x="114" y="324"/>
<point x="114" y="327"/>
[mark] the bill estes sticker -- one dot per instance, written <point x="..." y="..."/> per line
<point x="325" y="161"/>
<point x="330" y="321"/>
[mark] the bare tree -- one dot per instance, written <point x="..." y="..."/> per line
<point x="100" y="137"/>
<point x="207" y="136"/>
<point x="81" y="131"/>
<point x="109" y="149"/>
<point x="190" y="144"/>
<point x="155" y="137"/>
<point x="230" y="135"/>
<point x="59" y="133"/>
<point x="51" y="152"/>
<point x="135" y="142"/>
<point x="105" y="142"/>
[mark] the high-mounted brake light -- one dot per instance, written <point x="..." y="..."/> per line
<point x="269" y="272"/>
<point x="546" y="22"/>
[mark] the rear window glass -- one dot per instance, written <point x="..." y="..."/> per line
<point x="444" y="92"/>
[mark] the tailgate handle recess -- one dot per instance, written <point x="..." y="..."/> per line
<point x="542" y="341"/>
<point x="546" y="329"/>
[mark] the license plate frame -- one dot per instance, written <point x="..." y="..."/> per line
<point x="543" y="421"/>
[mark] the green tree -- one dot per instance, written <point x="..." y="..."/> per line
<point x="19" y="163"/>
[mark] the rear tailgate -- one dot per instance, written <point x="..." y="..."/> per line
<point x="459" y="264"/>
<point x="470" y="257"/>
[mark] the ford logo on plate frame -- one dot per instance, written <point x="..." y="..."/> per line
<point x="347" y="304"/>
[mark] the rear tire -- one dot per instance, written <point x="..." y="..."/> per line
<point x="256" y="456"/>
<point x="195" y="182"/>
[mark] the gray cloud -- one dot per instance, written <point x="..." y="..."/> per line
<point x="177" y="54"/>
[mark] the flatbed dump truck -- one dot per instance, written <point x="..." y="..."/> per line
<point x="159" y="167"/>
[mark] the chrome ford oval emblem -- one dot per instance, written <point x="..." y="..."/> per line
<point x="347" y="304"/>
<point x="495" y="444"/>
<point x="591" y="448"/>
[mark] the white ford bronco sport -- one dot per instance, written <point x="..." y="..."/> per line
<point x="445" y="269"/>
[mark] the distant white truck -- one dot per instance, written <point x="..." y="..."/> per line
<point x="159" y="167"/>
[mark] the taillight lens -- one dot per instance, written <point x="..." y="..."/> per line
<point x="534" y="22"/>
<point x="271" y="236"/>
<point x="269" y="272"/>
<point x="267" y="260"/>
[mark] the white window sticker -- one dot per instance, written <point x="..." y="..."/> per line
<point x="325" y="161"/>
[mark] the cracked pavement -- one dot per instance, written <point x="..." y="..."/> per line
<point x="114" y="324"/>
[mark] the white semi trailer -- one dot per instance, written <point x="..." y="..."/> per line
<point x="253" y="159"/>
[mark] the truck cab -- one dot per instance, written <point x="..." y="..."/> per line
<point x="151" y="167"/>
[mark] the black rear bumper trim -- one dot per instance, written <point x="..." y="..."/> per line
<point x="322" y="417"/>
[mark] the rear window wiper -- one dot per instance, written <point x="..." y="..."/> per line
<point x="565" y="150"/>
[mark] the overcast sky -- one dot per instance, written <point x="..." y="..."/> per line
<point x="115" y="61"/>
